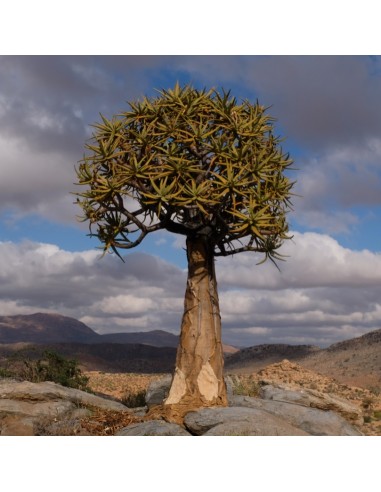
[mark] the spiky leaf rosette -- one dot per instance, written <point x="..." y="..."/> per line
<point x="192" y="162"/>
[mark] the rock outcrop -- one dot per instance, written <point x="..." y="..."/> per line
<point x="313" y="399"/>
<point x="279" y="410"/>
<point x="314" y="422"/>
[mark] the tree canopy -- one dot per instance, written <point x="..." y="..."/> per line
<point x="193" y="162"/>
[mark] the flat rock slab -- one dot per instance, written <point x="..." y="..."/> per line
<point x="311" y="420"/>
<point x="40" y="408"/>
<point x="225" y="421"/>
<point x="153" y="428"/>
<point x="35" y="392"/>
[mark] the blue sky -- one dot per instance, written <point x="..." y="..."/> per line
<point x="327" y="107"/>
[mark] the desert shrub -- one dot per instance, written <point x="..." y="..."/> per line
<point x="245" y="386"/>
<point x="134" y="400"/>
<point x="377" y="415"/>
<point x="368" y="402"/>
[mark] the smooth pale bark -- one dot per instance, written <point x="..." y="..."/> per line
<point x="198" y="378"/>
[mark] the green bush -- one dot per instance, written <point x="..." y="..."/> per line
<point x="51" y="366"/>
<point x="54" y="367"/>
<point x="5" y="373"/>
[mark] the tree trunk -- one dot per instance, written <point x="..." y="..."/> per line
<point x="198" y="378"/>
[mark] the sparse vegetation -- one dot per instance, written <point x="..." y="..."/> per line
<point x="135" y="400"/>
<point x="245" y="385"/>
<point x="375" y="390"/>
<point x="331" y="388"/>
<point x="97" y="422"/>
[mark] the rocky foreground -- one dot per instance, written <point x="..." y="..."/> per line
<point x="284" y="399"/>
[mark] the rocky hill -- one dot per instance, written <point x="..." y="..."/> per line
<point x="355" y="362"/>
<point x="254" y="358"/>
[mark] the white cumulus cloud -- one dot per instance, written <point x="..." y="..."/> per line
<point x="323" y="293"/>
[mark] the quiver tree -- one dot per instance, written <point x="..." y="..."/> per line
<point x="200" y="164"/>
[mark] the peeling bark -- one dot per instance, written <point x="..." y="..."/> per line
<point x="198" y="378"/>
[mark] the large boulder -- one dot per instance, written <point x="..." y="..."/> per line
<point x="158" y="391"/>
<point x="238" y="421"/>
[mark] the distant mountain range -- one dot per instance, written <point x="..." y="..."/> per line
<point x="152" y="351"/>
<point x="55" y="328"/>
<point x="356" y="361"/>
